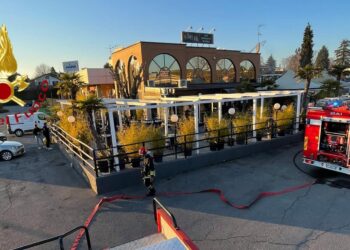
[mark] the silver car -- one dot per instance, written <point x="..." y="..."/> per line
<point x="10" y="149"/>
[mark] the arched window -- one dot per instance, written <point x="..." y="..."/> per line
<point x="198" y="70"/>
<point x="164" y="70"/>
<point x="247" y="71"/>
<point x="225" y="71"/>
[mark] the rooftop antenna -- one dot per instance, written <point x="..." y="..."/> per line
<point x="111" y="47"/>
<point x="189" y="28"/>
<point x="200" y="29"/>
<point x="259" y="33"/>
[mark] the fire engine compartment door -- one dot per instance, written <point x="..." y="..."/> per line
<point x="313" y="133"/>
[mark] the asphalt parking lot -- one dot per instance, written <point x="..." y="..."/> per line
<point x="41" y="196"/>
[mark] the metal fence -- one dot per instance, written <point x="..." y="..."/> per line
<point x="183" y="146"/>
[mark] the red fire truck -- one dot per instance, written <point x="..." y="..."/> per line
<point x="327" y="135"/>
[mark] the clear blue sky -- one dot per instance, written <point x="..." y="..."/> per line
<point x="50" y="32"/>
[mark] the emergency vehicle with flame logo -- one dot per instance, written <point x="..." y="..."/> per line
<point x="327" y="140"/>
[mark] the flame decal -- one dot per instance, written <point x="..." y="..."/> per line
<point x="8" y="63"/>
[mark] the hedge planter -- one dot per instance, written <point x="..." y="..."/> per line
<point x="158" y="158"/>
<point x="135" y="162"/>
<point x="187" y="151"/>
<point x="213" y="146"/>
<point x="258" y="137"/>
<point x="103" y="166"/>
<point x="220" y="145"/>
<point x="230" y="142"/>
<point x="281" y="132"/>
<point x="240" y="140"/>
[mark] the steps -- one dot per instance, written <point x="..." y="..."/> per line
<point x="152" y="242"/>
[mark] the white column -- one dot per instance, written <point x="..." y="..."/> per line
<point x="254" y="117"/>
<point x="166" y="120"/>
<point x="199" y="113"/>
<point x="120" y="118"/>
<point x="212" y="107"/>
<point x="196" y="124"/>
<point x="114" y="138"/>
<point x="298" y="112"/>
<point x="261" y="106"/>
<point x="220" y="110"/>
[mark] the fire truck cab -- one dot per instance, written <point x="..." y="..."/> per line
<point x="326" y="141"/>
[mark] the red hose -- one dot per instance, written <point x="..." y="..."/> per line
<point x="170" y="194"/>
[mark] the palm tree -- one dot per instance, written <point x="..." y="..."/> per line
<point x="88" y="106"/>
<point x="69" y="85"/>
<point x="307" y="73"/>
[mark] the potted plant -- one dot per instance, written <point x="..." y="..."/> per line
<point x="132" y="138"/>
<point x="240" y="124"/>
<point x="285" y="119"/>
<point x="186" y="132"/>
<point x="217" y="131"/>
<point x="158" y="143"/>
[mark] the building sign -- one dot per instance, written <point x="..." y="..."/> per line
<point x="71" y="66"/>
<point x="194" y="37"/>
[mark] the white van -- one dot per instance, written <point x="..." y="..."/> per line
<point x="18" y="124"/>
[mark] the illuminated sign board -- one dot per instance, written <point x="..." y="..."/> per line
<point x="194" y="37"/>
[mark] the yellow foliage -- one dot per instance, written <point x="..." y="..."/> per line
<point x="135" y="135"/>
<point x="139" y="114"/>
<point x="241" y="122"/>
<point x="186" y="127"/>
<point x="261" y="120"/>
<point x="78" y="129"/>
<point x="285" y="117"/>
<point x="213" y="125"/>
<point x="157" y="138"/>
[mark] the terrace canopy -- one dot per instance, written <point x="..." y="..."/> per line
<point x="165" y="103"/>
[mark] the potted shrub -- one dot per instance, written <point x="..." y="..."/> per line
<point x="186" y="131"/>
<point x="131" y="138"/>
<point x="240" y="124"/>
<point x="285" y="119"/>
<point x="158" y="143"/>
<point x="217" y="131"/>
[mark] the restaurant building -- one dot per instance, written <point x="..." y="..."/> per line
<point x="176" y="69"/>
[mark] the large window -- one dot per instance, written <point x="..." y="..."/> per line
<point x="198" y="70"/>
<point x="225" y="71"/>
<point x="164" y="70"/>
<point x="247" y="71"/>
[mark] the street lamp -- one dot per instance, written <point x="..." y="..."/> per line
<point x="174" y="119"/>
<point x="71" y="119"/>
<point x="231" y="112"/>
<point x="59" y="113"/>
<point x="276" y="107"/>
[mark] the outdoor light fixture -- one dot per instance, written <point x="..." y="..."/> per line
<point x="283" y="108"/>
<point x="277" y="106"/>
<point x="59" y="113"/>
<point x="232" y="111"/>
<point x="174" y="118"/>
<point x="71" y="119"/>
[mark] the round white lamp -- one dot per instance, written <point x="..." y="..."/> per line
<point x="174" y="118"/>
<point x="231" y="111"/>
<point x="277" y="106"/>
<point x="59" y="113"/>
<point x="283" y="108"/>
<point x="71" y="119"/>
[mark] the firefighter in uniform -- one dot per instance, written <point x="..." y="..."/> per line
<point x="148" y="171"/>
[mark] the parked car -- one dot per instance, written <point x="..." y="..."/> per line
<point x="3" y="137"/>
<point x="18" y="124"/>
<point x="10" y="149"/>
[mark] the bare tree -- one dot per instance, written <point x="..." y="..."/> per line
<point x="292" y="62"/>
<point x="42" y="69"/>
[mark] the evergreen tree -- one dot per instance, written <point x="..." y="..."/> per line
<point x="306" y="48"/>
<point x="271" y="64"/>
<point x="322" y="59"/>
<point x="342" y="54"/>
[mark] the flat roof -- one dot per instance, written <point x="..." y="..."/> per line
<point x="181" y="44"/>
